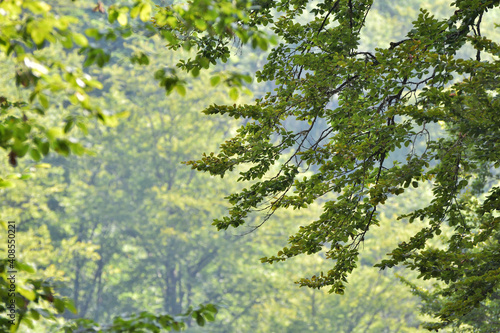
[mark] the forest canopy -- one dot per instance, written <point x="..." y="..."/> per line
<point x="345" y="123"/>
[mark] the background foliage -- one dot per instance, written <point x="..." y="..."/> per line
<point x="110" y="224"/>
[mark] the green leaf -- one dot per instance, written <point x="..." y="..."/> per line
<point x="61" y="146"/>
<point x="69" y="304"/>
<point x="35" y="314"/>
<point x="44" y="148"/>
<point x="59" y="305"/>
<point x="122" y="19"/>
<point x="263" y="44"/>
<point x="113" y="15"/>
<point x="69" y="125"/>
<point x="209" y="316"/>
<point x="199" y="319"/>
<point x="37" y="7"/>
<point x="20" y="148"/>
<point x="211" y="308"/>
<point x="181" y="89"/>
<point x="54" y="133"/>
<point x="24" y="267"/>
<point x="80" y="39"/>
<point x="28" y="322"/>
<point x="43" y="100"/>
<point x="5" y="183"/>
<point x="27" y="293"/>
<point x="77" y="148"/>
<point x="123" y="114"/>
<point x="82" y="127"/>
<point x="200" y="24"/>
<point x="214" y="80"/>
<point x="144" y="60"/>
<point x="38" y="35"/>
<point x="145" y="12"/>
<point x="247" y="78"/>
<point x="35" y="154"/>
<point x="93" y="32"/>
<point x="135" y="10"/>
<point x="43" y="166"/>
<point x="195" y="72"/>
<point x="234" y="93"/>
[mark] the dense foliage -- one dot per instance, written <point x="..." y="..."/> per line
<point x="131" y="212"/>
<point x="362" y="108"/>
<point x="46" y="93"/>
<point x="356" y="123"/>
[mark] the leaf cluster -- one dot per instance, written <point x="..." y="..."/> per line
<point x="377" y="104"/>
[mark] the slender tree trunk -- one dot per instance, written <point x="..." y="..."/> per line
<point x="90" y="290"/>
<point x="172" y="302"/>
<point x="76" y="285"/>
<point x="98" y="298"/>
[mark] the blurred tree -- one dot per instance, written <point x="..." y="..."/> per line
<point x="47" y="92"/>
<point x="36" y="39"/>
